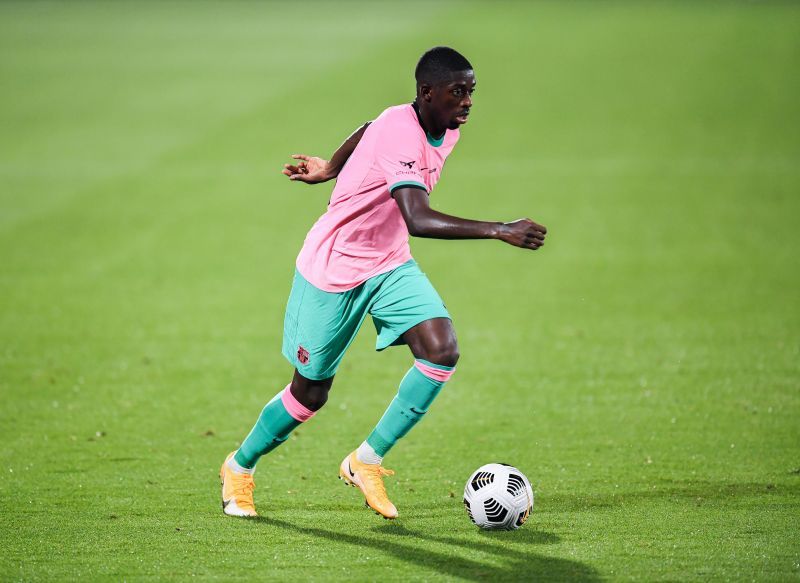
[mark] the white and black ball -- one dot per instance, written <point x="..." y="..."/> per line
<point x="498" y="496"/>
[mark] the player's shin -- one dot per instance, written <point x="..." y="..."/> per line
<point x="277" y="420"/>
<point x="417" y="391"/>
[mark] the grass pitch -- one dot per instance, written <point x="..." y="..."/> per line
<point x="641" y="369"/>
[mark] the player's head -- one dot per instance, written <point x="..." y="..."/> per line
<point x="445" y="82"/>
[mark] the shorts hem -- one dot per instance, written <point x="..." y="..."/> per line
<point x="310" y="374"/>
<point x="380" y="346"/>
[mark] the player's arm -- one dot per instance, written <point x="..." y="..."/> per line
<point x="313" y="170"/>
<point x="423" y="221"/>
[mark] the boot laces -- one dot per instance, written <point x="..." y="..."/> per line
<point x="374" y="474"/>
<point x="243" y="486"/>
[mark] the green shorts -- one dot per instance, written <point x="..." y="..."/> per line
<point x="319" y="325"/>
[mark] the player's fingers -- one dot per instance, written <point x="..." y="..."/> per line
<point x="301" y="157"/>
<point x="537" y="226"/>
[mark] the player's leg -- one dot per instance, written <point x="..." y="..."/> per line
<point x="318" y="328"/>
<point x="295" y="404"/>
<point x="435" y="348"/>
<point x="406" y="310"/>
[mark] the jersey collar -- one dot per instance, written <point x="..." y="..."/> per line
<point x="435" y="142"/>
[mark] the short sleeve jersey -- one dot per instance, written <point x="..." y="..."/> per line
<point x="363" y="233"/>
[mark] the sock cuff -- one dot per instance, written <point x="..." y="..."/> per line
<point x="237" y="467"/>
<point x="294" y="407"/>
<point x="437" y="372"/>
<point x="379" y="443"/>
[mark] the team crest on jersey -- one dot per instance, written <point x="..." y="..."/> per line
<point x="407" y="164"/>
<point x="302" y="355"/>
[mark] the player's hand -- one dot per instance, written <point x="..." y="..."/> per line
<point x="309" y="169"/>
<point x="523" y="233"/>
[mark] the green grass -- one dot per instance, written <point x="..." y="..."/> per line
<point x="642" y="369"/>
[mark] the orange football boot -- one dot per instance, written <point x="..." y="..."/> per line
<point x="237" y="491"/>
<point x="368" y="477"/>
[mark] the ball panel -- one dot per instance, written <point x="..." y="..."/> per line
<point x="515" y="484"/>
<point x="496" y="512"/>
<point x="523" y="516"/>
<point x="469" y="510"/>
<point x="481" y="479"/>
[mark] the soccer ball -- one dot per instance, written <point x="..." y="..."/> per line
<point x="498" y="496"/>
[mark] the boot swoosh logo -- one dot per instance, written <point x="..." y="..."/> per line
<point x="350" y="469"/>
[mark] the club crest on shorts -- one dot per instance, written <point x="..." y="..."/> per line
<point x="302" y="355"/>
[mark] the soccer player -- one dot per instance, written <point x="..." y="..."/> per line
<point x="356" y="261"/>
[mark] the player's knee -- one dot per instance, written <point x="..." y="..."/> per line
<point x="313" y="397"/>
<point x="447" y="354"/>
<point x="315" y="400"/>
<point x="311" y="394"/>
<point x="450" y="358"/>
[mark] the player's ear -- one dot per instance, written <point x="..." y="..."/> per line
<point x="424" y="91"/>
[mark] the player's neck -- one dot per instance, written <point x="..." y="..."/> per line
<point x="427" y="123"/>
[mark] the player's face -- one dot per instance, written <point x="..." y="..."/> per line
<point x="451" y="102"/>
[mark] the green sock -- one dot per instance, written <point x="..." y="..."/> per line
<point x="277" y="420"/>
<point x="417" y="391"/>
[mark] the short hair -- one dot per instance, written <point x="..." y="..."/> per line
<point x="437" y="64"/>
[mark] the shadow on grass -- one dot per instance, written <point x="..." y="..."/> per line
<point x="697" y="492"/>
<point x="523" y="536"/>
<point x="518" y="564"/>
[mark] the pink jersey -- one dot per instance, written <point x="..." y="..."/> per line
<point x="363" y="233"/>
